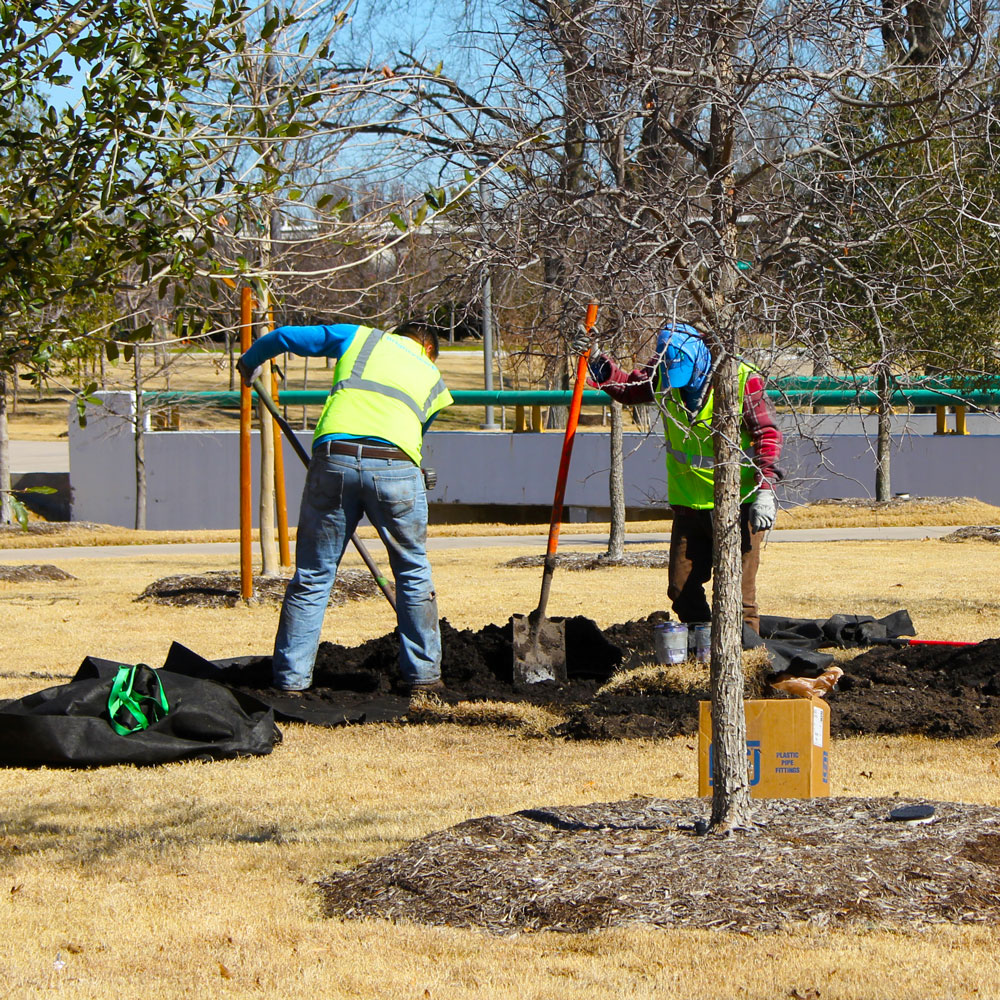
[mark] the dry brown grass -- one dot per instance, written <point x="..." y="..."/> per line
<point x="195" y="880"/>
<point x="960" y="511"/>
<point x="683" y="678"/>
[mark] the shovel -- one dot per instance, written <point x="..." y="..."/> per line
<point x="265" y="397"/>
<point x="540" y="643"/>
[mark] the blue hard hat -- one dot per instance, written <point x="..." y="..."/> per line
<point x="679" y="347"/>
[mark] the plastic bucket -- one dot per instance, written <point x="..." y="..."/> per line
<point x="671" y="642"/>
<point x="701" y="641"/>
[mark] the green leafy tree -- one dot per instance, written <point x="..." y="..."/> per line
<point x="103" y="180"/>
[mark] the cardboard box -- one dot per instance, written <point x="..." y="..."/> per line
<point x="788" y="742"/>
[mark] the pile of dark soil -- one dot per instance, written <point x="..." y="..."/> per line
<point x="31" y="573"/>
<point x="933" y="690"/>
<point x="479" y="665"/>
<point x="832" y="862"/>
<point x="936" y="691"/>
<point x="985" y="532"/>
<point x="645" y="558"/>
<point x="222" y="589"/>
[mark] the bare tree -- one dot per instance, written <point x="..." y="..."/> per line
<point x="690" y="160"/>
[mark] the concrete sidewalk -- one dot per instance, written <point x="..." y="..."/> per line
<point x="39" y="456"/>
<point x="567" y="543"/>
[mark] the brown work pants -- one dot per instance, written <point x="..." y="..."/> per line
<point x="691" y="564"/>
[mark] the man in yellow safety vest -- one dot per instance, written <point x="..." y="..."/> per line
<point x="365" y="461"/>
<point x="678" y="380"/>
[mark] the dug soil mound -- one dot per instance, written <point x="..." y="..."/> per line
<point x="613" y="692"/>
<point x="933" y="690"/>
<point x="831" y="862"/>
<point x="222" y="589"/>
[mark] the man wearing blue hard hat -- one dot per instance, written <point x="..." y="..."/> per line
<point x="678" y="380"/>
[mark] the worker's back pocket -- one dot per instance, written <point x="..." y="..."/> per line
<point x="396" y="490"/>
<point x="324" y="485"/>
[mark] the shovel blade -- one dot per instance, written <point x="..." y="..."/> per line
<point x="539" y="649"/>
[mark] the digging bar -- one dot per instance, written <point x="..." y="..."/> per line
<point x="383" y="583"/>
<point x="539" y="643"/>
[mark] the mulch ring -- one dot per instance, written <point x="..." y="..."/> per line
<point x="31" y="573"/>
<point x="936" y="691"/>
<point x="985" y="532"/>
<point x="222" y="589"/>
<point x="645" y="558"/>
<point x="893" y="503"/>
<point x="57" y="528"/>
<point x="828" y="862"/>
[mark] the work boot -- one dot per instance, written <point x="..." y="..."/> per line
<point x="420" y="690"/>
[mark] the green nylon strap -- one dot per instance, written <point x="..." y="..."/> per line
<point x="131" y="711"/>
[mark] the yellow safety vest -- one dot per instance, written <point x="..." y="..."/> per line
<point x="690" y="452"/>
<point x="384" y="386"/>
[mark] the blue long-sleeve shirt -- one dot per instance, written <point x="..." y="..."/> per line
<point x="328" y="341"/>
<point x="306" y="341"/>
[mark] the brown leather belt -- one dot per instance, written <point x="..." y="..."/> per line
<point x="362" y="450"/>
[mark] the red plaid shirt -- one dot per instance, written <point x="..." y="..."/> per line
<point x="636" y="388"/>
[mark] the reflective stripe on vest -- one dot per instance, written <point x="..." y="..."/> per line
<point x="357" y="382"/>
<point x="384" y="387"/>
<point x="690" y="452"/>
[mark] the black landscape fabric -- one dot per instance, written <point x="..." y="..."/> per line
<point x="68" y="725"/>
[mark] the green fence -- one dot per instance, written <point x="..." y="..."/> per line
<point x="792" y="391"/>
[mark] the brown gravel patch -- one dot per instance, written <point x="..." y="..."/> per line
<point x="828" y="862"/>
<point x="222" y="589"/>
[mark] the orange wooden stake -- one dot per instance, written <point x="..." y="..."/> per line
<point x="246" y="501"/>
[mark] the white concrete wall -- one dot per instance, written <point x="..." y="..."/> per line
<point x="193" y="476"/>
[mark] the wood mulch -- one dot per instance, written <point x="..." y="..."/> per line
<point x="31" y="572"/>
<point x="893" y="503"/>
<point x="222" y="589"/>
<point x="828" y="862"/>
<point x="986" y="532"/>
<point x="646" y="558"/>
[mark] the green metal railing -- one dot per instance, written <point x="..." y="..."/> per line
<point x="793" y="390"/>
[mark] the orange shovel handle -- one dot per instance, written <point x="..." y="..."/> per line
<point x="567" y="450"/>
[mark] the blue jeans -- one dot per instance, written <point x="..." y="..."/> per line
<point x="339" y="490"/>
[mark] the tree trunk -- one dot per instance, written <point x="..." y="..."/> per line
<point x="231" y="351"/>
<point x="558" y="415"/>
<point x="731" y="786"/>
<point x="616" y="486"/>
<point x="821" y="361"/>
<point x="6" y="508"/>
<point x="140" y="445"/>
<point x="164" y="362"/>
<point x="883" y="444"/>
